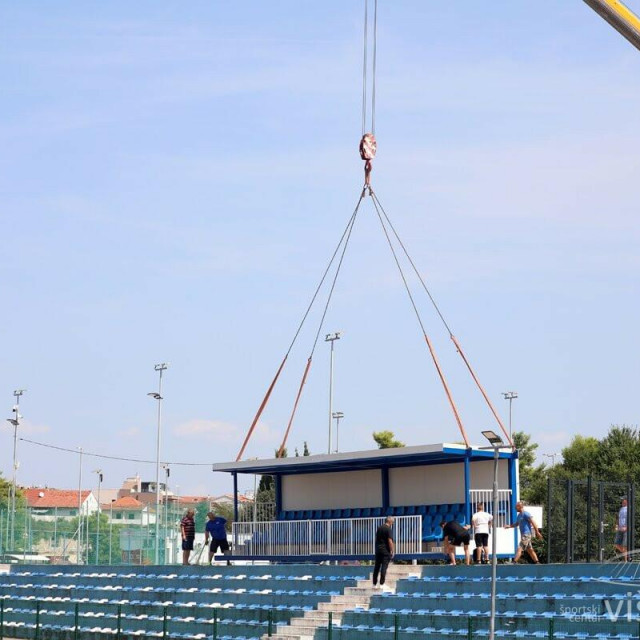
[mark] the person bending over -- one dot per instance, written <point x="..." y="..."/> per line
<point x="454" y="535"/>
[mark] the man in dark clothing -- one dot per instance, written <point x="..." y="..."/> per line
<point x="188" y="531"/>
<point x="384" y="551"/>
<point x="453" y="535"/>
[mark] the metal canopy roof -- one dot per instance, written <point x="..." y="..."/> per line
<point x="355" y="460"/>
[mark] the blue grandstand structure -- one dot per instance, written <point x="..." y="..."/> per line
<point x="328" y="506"/>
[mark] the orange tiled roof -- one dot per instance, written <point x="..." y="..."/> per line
<point x="127" y="502"/>
<point x="52" y="498"/>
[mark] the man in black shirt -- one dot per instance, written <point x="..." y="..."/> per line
<point x="453" y="535"/>
<point x="384" y="550"/>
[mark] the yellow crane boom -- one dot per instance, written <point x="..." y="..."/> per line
<point x="620" y="17"/>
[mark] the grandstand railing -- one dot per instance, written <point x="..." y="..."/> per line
<point x="485" y="497"/>
<point x="338" y="537"/>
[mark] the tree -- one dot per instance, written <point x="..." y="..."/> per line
<point x="532" y="478"/>
<point x="5" y="492"/>
<point x="305" y="451"/>
<point x="580" y="458"/>
<point x="386" y="440"/>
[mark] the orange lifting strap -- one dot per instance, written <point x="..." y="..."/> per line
<point x="482" y="391"/>
<point x="446" y="389"/>
<point x="260" y="410"/>
<point x="295" y="406"/>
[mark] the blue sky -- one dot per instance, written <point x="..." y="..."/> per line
<point x="174" y="178"/>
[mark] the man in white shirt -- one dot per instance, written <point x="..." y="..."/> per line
<point x="481" y="522"/>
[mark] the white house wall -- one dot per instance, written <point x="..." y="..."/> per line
<point x="338" y="490"/>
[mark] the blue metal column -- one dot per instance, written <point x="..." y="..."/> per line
<point x="385" y="489"/>
<point x="235" y="496"/>
<point x="278" y="485"/>
<point x="513" y="485"/>
<point x="467" y="485"/>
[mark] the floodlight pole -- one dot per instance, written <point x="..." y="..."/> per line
<point x="331" y="337"/>
<point x="494" y="544"/>
<point x="99" y="473"/>
<point x="15" y="421"/>
<point x="158" y="396"/>
<point x="337" y="416"/>
<point x="496" y="442"/>
<point x="510" y="396"/>
<point x="167" y="473"/>
<point x="79" y="538"/>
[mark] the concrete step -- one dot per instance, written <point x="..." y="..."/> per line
<point x="316" y="617"/>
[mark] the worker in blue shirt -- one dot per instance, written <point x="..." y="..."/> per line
<point x="528" y="529"/>
<point x="216" y="530"/>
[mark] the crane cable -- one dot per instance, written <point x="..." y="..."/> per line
<point x="368" y="144"/>
<point x="424" y="332"/>
<point x="346" y="234"/>
<point x="459" y="349"/>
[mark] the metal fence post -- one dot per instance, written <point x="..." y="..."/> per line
<point x="37" y="621"/>
<point x="119" y="627"/>
<point x="330" y="627"/>
<point x="631" y="520"/>
<point x="270" y="622"/>
<point x="548" y="523"/>
<point x="589" y="518"/>
<point x="215" y="624"/>
<point x="2" y="619"/>
<point x="164" y="623"/>
<point x="551" y="629"/>
<point x="469" y="628"/>
<point x="76" y="615"/>
<point x="396" y="629"/>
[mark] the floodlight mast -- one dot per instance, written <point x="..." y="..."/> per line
<point x="331" y="337"/>
<point x="158" y="396"/>
<point x="15" y="421"/>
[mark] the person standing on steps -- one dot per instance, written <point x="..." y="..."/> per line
<point x="620" y="543"/>
<point x="481" y="521"/>
<point x="384" y="549"/>
<point x="188" y="531"/>
<point x="216" y="529"/>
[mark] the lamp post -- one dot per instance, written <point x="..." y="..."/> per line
<point x="15" y="421"/>
<point x="337" y="416"/>
<point x="158" y="396"/>
<point x="553" y="458"/>
<point x="79" y="539"/>
<point x="496" y="442"/>
<point x="110" y="529"/>
<point x="98" y="472"/>
<point x="167" y="473"/>
<point x="331" y="337"/>
<point x="510" y="396"/>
